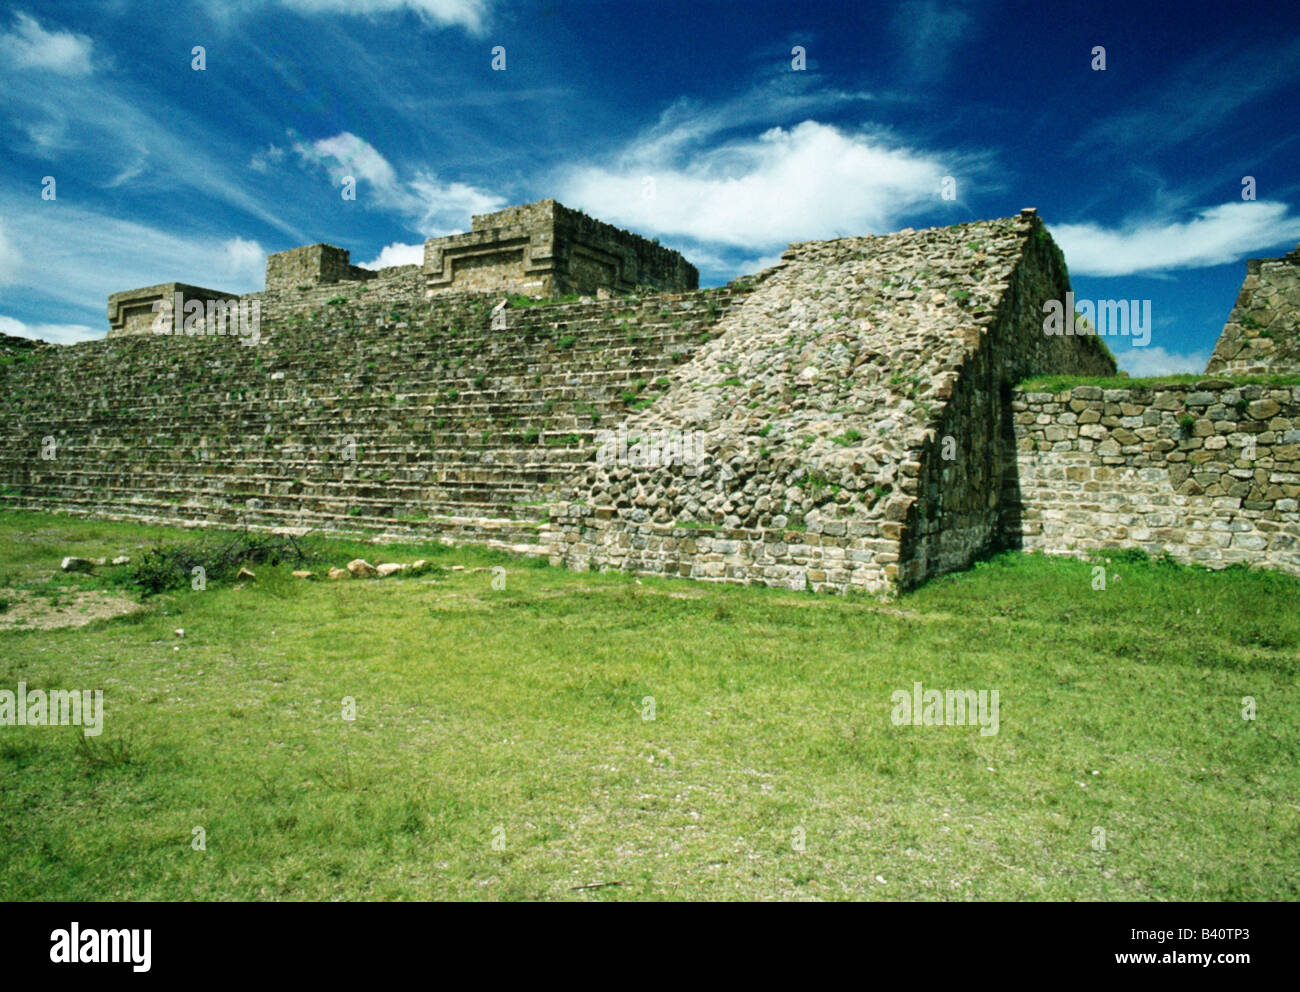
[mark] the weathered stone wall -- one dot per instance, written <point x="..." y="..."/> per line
<point x="591" y="255"/>
<point x="821" y="405"/>
<point x="545" y="249"/>
<point x="298" y="280"/>
<point x="957" y="512"/>
<point x="132" y="311"/>
<point x="312" y="265"/>
<point x="1263" y="331"/>
<point x="401" y="287"/>
<point x="1208" y="474"/>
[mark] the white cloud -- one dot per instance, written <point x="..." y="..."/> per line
<point x="429" y="205"/>
<point x="352" y="156"/>
<point x="445" y="208"/>
<point x="242" y="259"/>
<point x="397" y="254"/>
<point x="469" y="14"/>
<point x="1145" y="362"/>
<point x="786" y="184"/>
<point x="30" y="46"/>
<point x="1218" y="235"/>
<point x="58" y="333"/>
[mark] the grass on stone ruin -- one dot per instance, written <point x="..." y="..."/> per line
<point x="523" y="300"/>
<point x="516" y="714"/>
<point x="1060" y="383"/>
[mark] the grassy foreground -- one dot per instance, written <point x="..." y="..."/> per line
<point x="500" y="748"/>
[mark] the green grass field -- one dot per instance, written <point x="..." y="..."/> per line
<point x="500" y="748"/>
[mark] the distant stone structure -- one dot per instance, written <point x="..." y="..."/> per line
<point x="134" y="311"/>
<point x="848" y="419"/>
<point x="541" y="249"/>
<point x="312" y="265"/>
<point x="546" y="249"/>
<point x="1262" y="334"/>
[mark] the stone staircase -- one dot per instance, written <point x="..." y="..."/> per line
<point x="395" y="414"/>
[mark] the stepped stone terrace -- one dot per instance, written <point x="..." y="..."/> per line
<point x="847" y="419"/>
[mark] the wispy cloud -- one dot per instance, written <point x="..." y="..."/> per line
<point x="10" y="259"/>
<point x="428" y="204"/>
<point x="472" y="15"/>
<point x="687" y="124"/>
<point x="927" y="33"/>
<point x="29" y="46"/>
<point x="263" y="160"/>
<point x="1217" y="235"/>
<point x="101" y="137"/>
<point x="76" y="258"/>
<point x="1198" y="99"/>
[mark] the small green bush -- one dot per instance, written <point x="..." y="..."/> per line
<point x="221" y="556"/>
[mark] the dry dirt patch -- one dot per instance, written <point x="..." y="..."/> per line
<point x="75" y="608"/>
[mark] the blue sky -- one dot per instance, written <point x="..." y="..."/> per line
<point x="163" y="172"/>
